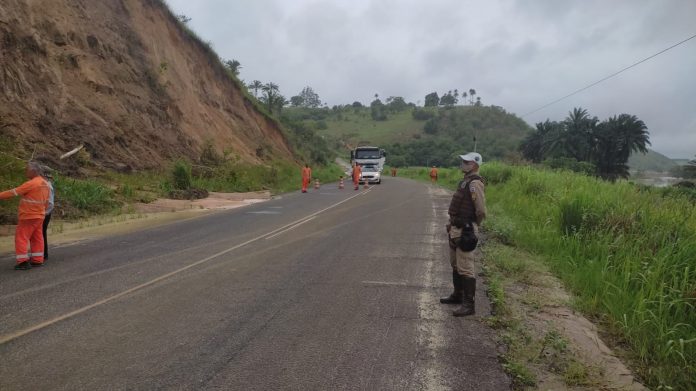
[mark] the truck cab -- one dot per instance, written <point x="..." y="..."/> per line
<point x="368" y="156"/>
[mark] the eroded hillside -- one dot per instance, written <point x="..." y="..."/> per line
<point x="126" y="80"/>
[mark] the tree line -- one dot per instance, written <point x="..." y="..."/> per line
<point x="451" y="98"/>
<point x="602" y="147"/>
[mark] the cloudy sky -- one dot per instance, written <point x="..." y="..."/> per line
<point x="518" y="54"/>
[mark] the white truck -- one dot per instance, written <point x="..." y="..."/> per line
<point x="368" y="156"/>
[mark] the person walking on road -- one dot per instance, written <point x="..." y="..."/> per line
<point x="306" y="177"/>
<point x="466" y="212"/>
<point x="357" y="171"/>
<point x="32" y="210"/>
<point x="49" y="210"/>
<point x="433" y="175"/>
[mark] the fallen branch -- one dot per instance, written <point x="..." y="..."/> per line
<point x="74" y="151"/>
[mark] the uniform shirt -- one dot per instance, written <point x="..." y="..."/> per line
<point x="34" y="193"/>
<point x="476" y="188"/>
<point x="51" y="199"/>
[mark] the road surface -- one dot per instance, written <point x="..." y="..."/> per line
<point x="329" y="290"/>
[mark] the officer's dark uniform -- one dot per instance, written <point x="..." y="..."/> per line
<point x="468" y="207"/>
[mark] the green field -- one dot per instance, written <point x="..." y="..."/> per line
<point x="438" y="136"/>
<point x="354" y="128"/>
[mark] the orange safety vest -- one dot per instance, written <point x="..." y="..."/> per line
<point x="35" y="193"/>
<point x="306" y="172"/>
<point x="356" y="173"/>
<point x="433" y="172"/>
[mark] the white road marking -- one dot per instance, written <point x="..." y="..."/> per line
<point x="384" y="283"/>
<point x="431" y="333"/>
<point x="289" y="228"/>
<point x="12" y="336"/>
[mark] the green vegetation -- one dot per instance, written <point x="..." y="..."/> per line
<point x="181" y="176"/>
<point x="109" y="192"/>
<point x="11" y="175"/>
<point x="625" y="251"/>
<point x="606" y="145"/>
<point x="82" y="198"/>
<point x="532" y="352"/>
<point x="416" y="136"/>
<point x="240" y="177"/>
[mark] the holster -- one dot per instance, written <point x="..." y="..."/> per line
<point x="468" y="240"/>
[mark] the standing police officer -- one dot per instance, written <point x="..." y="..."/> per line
<point x="467" y="210"/>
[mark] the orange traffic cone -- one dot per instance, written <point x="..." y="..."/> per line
<point x="341" y="185"/>
<point x="316" y="184"/>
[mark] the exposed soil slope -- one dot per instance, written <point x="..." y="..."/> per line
<point x="126" y="80"/>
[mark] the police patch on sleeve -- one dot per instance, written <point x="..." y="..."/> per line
<point x="473" y="193"/>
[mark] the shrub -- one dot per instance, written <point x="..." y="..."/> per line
<point x="181" y="175"/>
<point x="422" y="114"/>
<point x="496" y="174"/>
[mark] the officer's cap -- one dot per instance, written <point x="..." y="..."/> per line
<point x="472" y="157"/>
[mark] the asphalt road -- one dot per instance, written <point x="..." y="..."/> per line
<point x="329" y="290"/>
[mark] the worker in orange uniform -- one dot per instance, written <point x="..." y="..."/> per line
<point x="357" y="171"/>
<point x="306" y="177"/>
<point x="32" y="210"/>
<point x="433" y="175"/>
<point x="393" y="171"/>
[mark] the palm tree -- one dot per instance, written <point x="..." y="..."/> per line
<point x="233" y="66"/>
<point x="634" y="136"/>
<point x="256" y="86"/>
<point x="464" y="95"/>
<point x="270" y="91"/>
<point x="616" y="138"/>
<point x="472" y="92"/>
<point x="581" y="137"/>
<point x="280" y="102"/>
<point x="546" y="141"/>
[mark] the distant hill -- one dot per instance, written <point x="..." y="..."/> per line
<point x="651" y="161"/>
<point x="436" y="137"/>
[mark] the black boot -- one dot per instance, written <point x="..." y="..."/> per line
<point x="468" y="305"/>
<point x="456" y="296"/>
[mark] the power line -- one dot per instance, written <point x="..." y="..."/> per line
<point x="608" y="77"/>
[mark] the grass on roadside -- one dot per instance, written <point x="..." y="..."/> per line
<point x="111" y="193"/>
<point x="625" y="251"/>
<point x="534" y="351"/>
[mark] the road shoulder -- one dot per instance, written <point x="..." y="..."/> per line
<point x="139" y="217"/>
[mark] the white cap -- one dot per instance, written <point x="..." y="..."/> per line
<point x="472" y="157"/>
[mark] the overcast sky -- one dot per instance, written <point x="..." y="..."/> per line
<point x="517" y="54"/>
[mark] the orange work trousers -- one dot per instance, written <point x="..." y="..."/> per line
<point x="29" y="234"/>
<point x="305" y="183"/>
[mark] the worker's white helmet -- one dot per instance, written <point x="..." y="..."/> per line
<point x="472" y="157"/>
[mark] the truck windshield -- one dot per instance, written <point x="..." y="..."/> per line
<point x="367" y="154"/>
